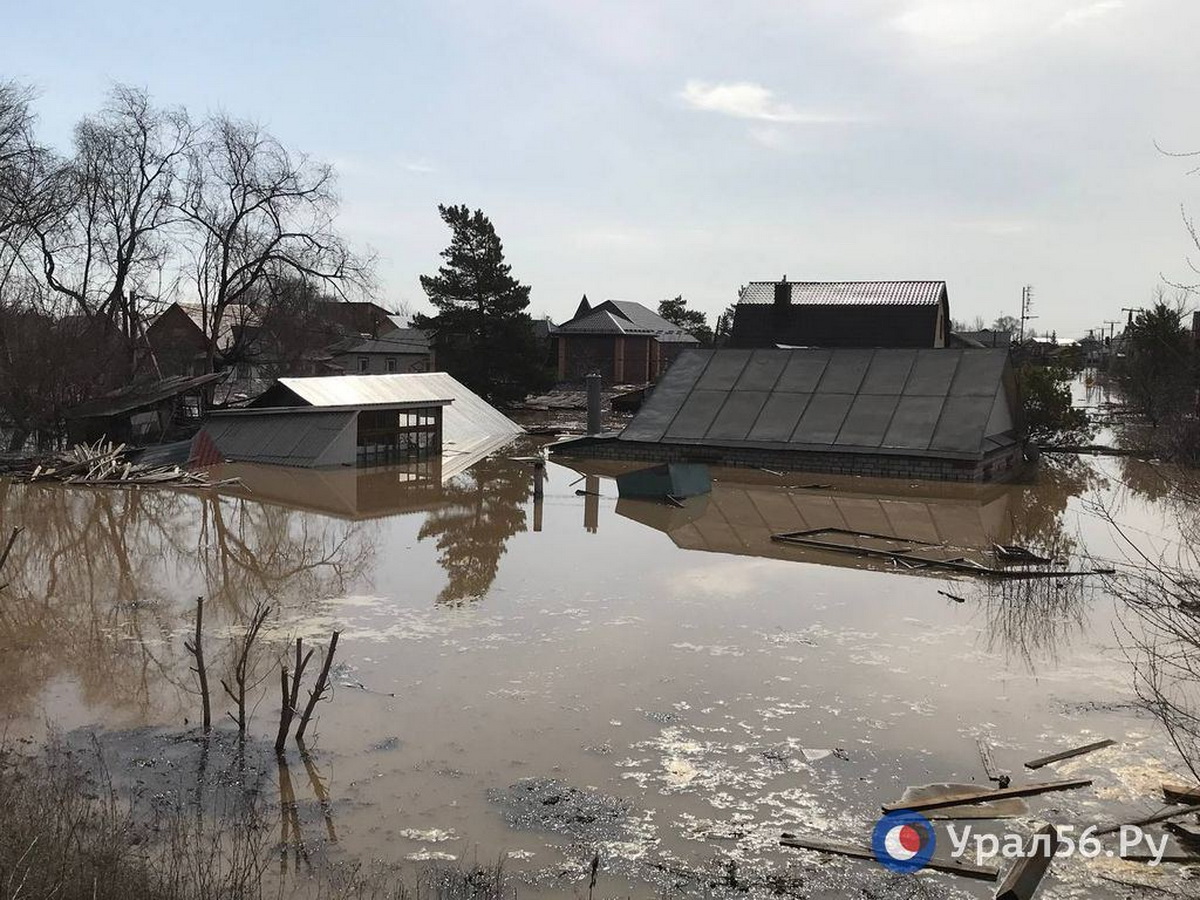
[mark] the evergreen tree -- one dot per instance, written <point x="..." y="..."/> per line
<point x="482" y="334"/>
<point x="690" y="320"/>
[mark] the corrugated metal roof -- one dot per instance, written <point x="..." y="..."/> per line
<point x="903" y="293"/>
<point x="295" y="439"/>
<point x="468" y="423"/>
<point x="945" y="403"/>
<point x="136" y="396"/>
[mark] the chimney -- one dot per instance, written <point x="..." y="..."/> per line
<point x="783" y="293"/>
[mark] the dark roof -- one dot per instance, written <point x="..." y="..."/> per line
<point x="987" y="337"/>
<point x="137" y="396"/>
<point x="842" y="314"/>
<point x="901" y="293"/>
<point x="624" y="317"/>
<point x="958" y="404"/>
<point x="402" y="340"/>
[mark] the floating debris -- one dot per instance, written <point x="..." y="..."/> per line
<point x="985" y="796"/>
<point x="1068" y="754"/>
<point x="105" y="464"/>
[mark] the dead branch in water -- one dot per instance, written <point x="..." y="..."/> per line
<point x="243" y="664"/>
<point x="196" y="649"/>
<point x="290" y="697"/>
<point x="318" y="692"/>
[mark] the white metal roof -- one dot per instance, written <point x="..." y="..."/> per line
<point x="468" y="423"/>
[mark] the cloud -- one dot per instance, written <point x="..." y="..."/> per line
<point x="747" y="100"/>
<point x="420" y="167"/>
<point x="969" y="23"/>
<point x="1083" y="14"/>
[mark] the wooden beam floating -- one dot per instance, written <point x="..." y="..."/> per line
<point x="1068" y="754"/>
<point x="984" y="796"/>
<point x="1023" y="878"/>
<point x="859" y="851"/>
<point x="1181" y="793"/>
<point x="1173" y="813"/>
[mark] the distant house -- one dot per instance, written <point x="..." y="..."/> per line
<point x="399" y="351"/>
<point x="941" y="414"/>
<point x="986" y="337"/>
<point x="624" y="341"/>
<point x="174" y="344"/>
<point x="842" y="314"/>
<point x="356" y="317"/>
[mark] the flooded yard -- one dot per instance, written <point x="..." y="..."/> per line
<point x="543" y="683"/>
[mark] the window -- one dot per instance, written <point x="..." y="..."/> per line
<point x="364" y="363"/>
<point x="391" y="364"/>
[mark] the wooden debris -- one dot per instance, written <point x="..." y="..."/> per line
<point x="1012" y="553"/>
<point x="1181" y="793"/>
<point x="105" y="464"/>
<point x="989" y="763"/>
<point x="1023" y="878"/>
<point x="909" y="558"/>
<point x="1163" y="816"/>
<point x="954" y="597"/>
<point x="858" y="851"/>
<point x="1068" y="754"/>
<point x="985" y="796"/>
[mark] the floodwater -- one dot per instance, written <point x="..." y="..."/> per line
<point x="541" y="682"/>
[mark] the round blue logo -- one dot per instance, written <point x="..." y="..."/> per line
<point x="903" y="841"/>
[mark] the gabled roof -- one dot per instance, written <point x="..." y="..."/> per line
<point x="902" y="293"/>
<point x="468" y="423"/>
<point x="624" y="317"/>
<point x="957" y="404"/>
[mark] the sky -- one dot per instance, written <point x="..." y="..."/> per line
<point x="638" y="150"/>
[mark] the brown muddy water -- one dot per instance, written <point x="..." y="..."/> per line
<point x="538" y="683"/>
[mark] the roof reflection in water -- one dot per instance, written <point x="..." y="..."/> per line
<point x="744" y="510"/>
<point x="354" y="493"/>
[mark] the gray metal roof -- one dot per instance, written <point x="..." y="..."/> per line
<point x="290" y="438"/>
<point x="944" y="403"/>
<point x="903" y="293"/>
<point x="398" y="342"/>
<point x="468" y="423"/>
<point x="625" y="317"/>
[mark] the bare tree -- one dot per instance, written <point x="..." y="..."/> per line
<point x="242" y="668"/>
<point x="258" y="214"/>
<point x="25" y="168"/>
<point x="118" y="199"/>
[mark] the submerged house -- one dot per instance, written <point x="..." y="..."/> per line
<point x="146" y="412"/>
<point x="400" y="351"/>
<point x="348" y="420"/>
<point x="842" y="314"/>
<point x="940" y="414"/>
<point x="623" y="341"/>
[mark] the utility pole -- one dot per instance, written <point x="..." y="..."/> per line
<point x="1131" y="310"/>
<point x="1026" y="303"/>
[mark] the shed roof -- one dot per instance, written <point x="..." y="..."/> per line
<point x="957" y="404"/>
<point x="291" y="438"/>
<point x="896" y="293"/>
<point x="399" y="342"/>
<point x="136" y="396"/>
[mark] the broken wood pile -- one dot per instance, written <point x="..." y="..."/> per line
<point x="1022" y="878"/>
<point x="108" y="464"/>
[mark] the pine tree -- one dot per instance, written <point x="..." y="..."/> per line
<point x="483" y="335"/>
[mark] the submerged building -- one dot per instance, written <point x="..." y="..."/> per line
<point x="623" y="341"/>
<point x="940" y="414"/>
<point x="356" y="420"/>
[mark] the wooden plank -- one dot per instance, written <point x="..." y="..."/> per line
<point x="1181" y="793"/>
<point x="983" y="796"/>
<point x="1163" y="816"/>
<point x="858" y="851"/>
<point x="989" y="762"/>
<point x="1024" y="876"/>
<point x="1068" y="754"/>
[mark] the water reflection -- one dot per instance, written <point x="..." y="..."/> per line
<point x="101" y="581"/>
<point x="479" y="511"/>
